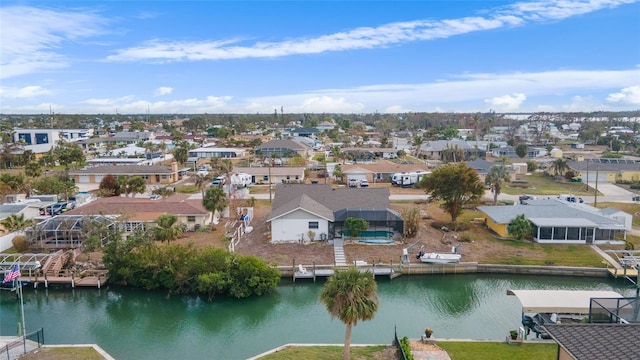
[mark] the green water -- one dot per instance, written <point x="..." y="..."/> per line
<point x="134" y="324"/>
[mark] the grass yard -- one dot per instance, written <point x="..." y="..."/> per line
<point x="528" y="253"/>
<point x="63" y="353"/>
<point x="327" y="352"/>
<point x="498" y="351"/>
<point x="540" y="184"/>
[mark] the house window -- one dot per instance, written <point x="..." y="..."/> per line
<point x="313" y="225"/>
<point x="297" y="177"/>
<point x="164" y="177"/>
<point x="191" y="218"/>
<point x="146" y="177"/>
<point x="288" y="177"/>
<point x="265" y="178"/>
<point x="42" y="138"/>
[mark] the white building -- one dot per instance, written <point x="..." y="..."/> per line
<point x="42" y="140"/>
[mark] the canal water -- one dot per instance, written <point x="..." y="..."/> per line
<point x="136" y="324"/>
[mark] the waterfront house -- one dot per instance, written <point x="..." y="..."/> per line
<point x="138" y="212"/>
<point x="595" y="341"/>
<point x="318" y="212"/>
<point x="558" y="221"/>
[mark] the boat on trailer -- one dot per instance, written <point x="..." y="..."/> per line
<point x="544" y="307"/>
<point x="439" y="258"/>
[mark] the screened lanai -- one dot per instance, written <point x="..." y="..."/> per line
<point x="383" y="223"/>
<point x="69" y="231"/>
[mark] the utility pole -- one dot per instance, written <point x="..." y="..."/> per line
<point x="595" y="201"/>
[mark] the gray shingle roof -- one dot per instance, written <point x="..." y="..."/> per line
<point x="611" y="165"/>
<point x="282" y="144"/>
<point x="561" y="211"/>
<point x="439" y="145"/>
<point x="303" y="202"/>
<point x="124" y="170"/>
<point x="319" y="196"/>
<point x="597" y="341"/>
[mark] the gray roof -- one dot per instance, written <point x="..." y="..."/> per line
<point x="316" y="198"/>
<point x="597" y="341"/>
<point x="306" y="203"/>
<point x="10" y="209"/>
<point x="124" y="170"/>
<point x="305" y="130"/>
<point x="282" y="144"/>
<point x="439" y="145"/>
<point x="605" y="165"/>
<point x="481" y="166"/>
<point x="550" y="212"/>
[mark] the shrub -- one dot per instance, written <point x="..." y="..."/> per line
<point x="635" y="186"/>
<point x="20" y="243"/>
<point x="406" y="348"/>
<point x="411" y="218"/>
<point x="629" y="245"/>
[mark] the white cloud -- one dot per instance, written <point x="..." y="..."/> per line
<point x="32" y="38"/>
<point x="163" y="90"/>
<point x="365" y="37"/>
<point x="551" y="90"/>
<point x="506" y="103"/>
<point x="131" y="105"/>
<point x="24" y="92"/>
<point x="629" y="95"/>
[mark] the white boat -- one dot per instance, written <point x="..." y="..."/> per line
<point x="440" y="258"/>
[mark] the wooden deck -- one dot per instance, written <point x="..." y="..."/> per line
<point x="92" y="280"/>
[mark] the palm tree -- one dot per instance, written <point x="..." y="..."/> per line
<point x="417" y="142"/>
<point x="201" y="182"/>
<point x="351" y="296"/>
<point x="497" y="174"/>
<point x="559" y="167"/>
<point x="166" y="228"/>
<point x="16" y="222"/>
<point x="214" y="200"/>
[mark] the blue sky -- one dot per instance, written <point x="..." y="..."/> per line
<point x="318" y="56"/>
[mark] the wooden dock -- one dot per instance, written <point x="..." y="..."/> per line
<point x="628" y="273"/>
<point x="315" y="273"/>
<point x="95" y="278"/>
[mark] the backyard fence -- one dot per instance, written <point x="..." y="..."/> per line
<point x="22" y="345"/>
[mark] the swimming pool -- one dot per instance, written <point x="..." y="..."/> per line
<point x="370" y="234"/>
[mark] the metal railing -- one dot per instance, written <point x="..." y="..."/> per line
<point x="22" y="345"/>
<point x="396" y="342"/>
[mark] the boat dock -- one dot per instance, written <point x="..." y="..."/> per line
<point x="627" y="265"/>
<point x="51" y="269"/>
<point x="302" y="272"/>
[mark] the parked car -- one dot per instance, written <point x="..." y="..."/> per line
<point x="353" y="182"/>
<point x="364" y="183"/>
<point x="219" y="181"/>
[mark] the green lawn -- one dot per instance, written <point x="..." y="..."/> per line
<point x="63" y="353"/>
<point x="547" y="254"/>
<point x="498" y="351"/>
<point x="540" y="184"/>
<point x="324" y="352"/>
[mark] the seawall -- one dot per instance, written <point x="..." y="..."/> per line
<point x="472" y="267"/>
